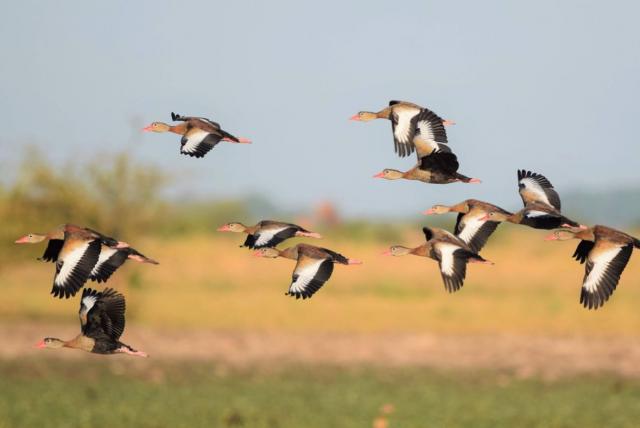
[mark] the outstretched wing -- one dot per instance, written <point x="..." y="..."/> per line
<point x="270" y="237"/>
<point x="602" y="274"/>
<point x="179" y="118"/>
<point x="403" y="124"/>
<point x="74" y="266"/>
<point x="197" y="143"/>
<point x="534" y="187"/>
<point x="473" y="231"/>
<point x="452" y="261"/>
<point x="53" y="249"/>
<point x="104" y="313"/>
<point x="582" y="251"/>
<point x="309" y="275"/>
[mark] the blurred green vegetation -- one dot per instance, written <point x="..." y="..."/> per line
<point x="105" y="392"/>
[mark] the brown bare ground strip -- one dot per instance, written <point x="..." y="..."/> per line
<point x="524" y="356"/>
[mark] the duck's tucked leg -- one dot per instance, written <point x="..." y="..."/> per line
<point x="447" y="122"/>
<point x="124" y="349"/>
<point x="309" y="234"/>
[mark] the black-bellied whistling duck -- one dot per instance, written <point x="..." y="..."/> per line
<point x="314" y="267"/>
<point x="470" y="226"/>
<point x="267" y="233"/>
<point x="199" y="134"/>
<point x="102" y="323"/>
<point x="436" y="168"/>
<point x="451" y="253"/>
<point x="81" y="254"/>
<point x="541" y="205"/>
<point x="607" y="252"/>
<point x="413" y="126"/>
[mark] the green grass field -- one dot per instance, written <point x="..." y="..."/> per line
<point x="55" y="393"/>
<point x="206" y="284"/>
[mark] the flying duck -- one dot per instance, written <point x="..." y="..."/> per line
<point x="199" y="134"/>
<point x="267" y="233"/>
<point x="606" y="252"/>
<point x="81" y="254"/>
<point x="314" y="267"/>
<point x="470" y="226"/>
<point x="541" y="205"/>
<point x="437" y="168"/>
<point x="101" y="324"/>
<point x="451" y="253"/>
<point x="413" y="127"/>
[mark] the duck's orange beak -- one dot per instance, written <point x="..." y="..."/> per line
<point x="23" y="240"/>
<point x="355" y="117"/>
<point x="224" y="228"/>
<point x="379" y="175"/>
<point x="147" y="129"/>
<point x="40" y="344"/>
<point x="429" y="211"/>
<point x="386" y="253"/>
<point x="257" y="254"/>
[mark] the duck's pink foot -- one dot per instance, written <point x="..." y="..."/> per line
<point x="240" y="140"/>
<point x="447" y="122"/>
<point x="474" y="180"/>
<point x="309" y="234"/>
<point x="122" y="244"/>
<point x="354" y="262"/>
<point x="125" y="350"/>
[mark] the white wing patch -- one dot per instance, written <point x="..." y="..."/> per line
<point x="266" y="235"/>
<point x="87" y="303"/>
<point x="403" y="125"/>
<point x="600" y="263"/>
<point x="304" y="276"/>
<point x="194" y="138"/>
<point x="533" y="186"/>
<point x="105" y="253"/>
<point x="426" y="133"/>
<point x="471" y="227"/>
<point x="535" y="213"/>
<point x="446" y="258"/>
<point x="69" y="262"/>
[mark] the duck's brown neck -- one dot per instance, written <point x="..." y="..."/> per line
<point x="80" y="342"/>
<point x="586" y="235"/>
<point x="178" y="129"/>
<point x="462" y="207"/>
<point x="384" y="113"/>
<point x="515" y="217"/>
<point x="290" y="253"/>
<point x="416" y="174"/>
<point x="250" y="230"/>
<point x="420" y="251"/>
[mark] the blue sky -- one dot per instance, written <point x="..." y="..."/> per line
<point x="548" y="86"/>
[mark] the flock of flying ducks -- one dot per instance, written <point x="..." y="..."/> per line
<point x="82" y="254"/>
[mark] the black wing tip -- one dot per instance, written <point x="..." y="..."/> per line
<point x="175" y="116"/>
<point x="593" y="300"/>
